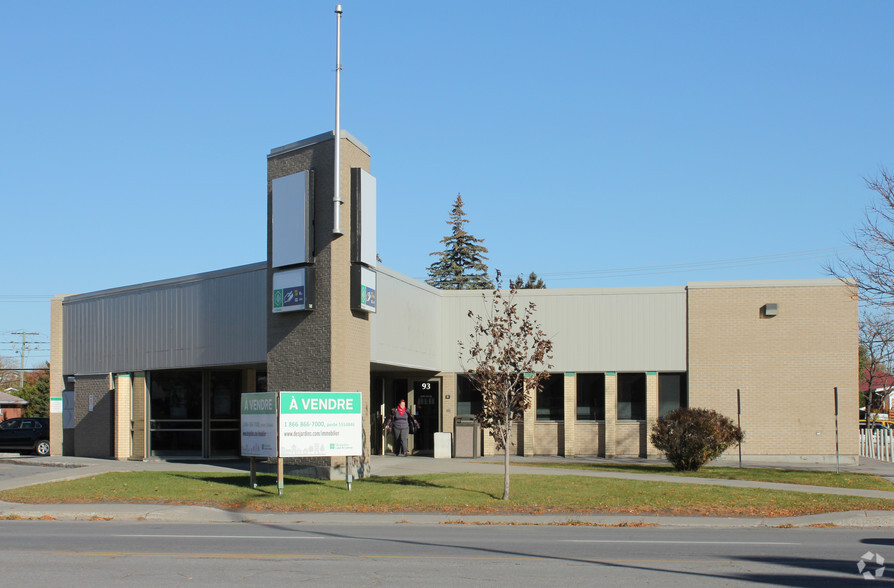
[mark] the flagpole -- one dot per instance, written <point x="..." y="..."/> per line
<point x="336" y="198"/>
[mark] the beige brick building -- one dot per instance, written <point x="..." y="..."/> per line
<point x="156" y="370"/>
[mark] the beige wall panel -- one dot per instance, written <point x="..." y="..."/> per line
<point x="405" y="330"/>
<point x="592" y="330"/>
<point x="123" y="398"/>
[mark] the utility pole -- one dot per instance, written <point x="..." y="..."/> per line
<point x="25" y="347"/>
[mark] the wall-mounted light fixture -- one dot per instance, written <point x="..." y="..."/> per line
<point x="770" y="310"/>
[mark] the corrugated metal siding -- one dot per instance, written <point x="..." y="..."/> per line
<point x="635" y="329"/>
<point x="200" y="321"/>
<point x="404" y="331"/>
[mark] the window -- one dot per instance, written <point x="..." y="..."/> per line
<point x="632" y="397"/>
<point x="591" y="397"/>
<point x="468" y="397"/>
<point x="672" y="392"/>
<point x="551" y="399"/>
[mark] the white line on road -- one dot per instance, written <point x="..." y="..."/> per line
<point x="675" y="542"/>
<point x="225" y="537"/>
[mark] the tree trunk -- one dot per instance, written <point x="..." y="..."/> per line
<point x="508" y="430"/>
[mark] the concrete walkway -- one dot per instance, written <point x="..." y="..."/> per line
<point x="60" y="468"/>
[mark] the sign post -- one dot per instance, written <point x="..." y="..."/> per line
<point x="837" y="460"/>
<point x="739" y="421"/>
<point x="258" y="428"/>
<point x="302" y="424"/>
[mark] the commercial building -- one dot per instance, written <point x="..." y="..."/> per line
<point x="155" y="370"/>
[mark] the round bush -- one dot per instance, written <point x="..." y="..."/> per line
<point x="692" y="437"/>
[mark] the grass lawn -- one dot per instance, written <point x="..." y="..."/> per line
<point x="782" y="476"/>
<point x="446" y="493"/>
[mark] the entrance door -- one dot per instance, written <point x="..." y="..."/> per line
<point x="427" y="401"/>
<point x="223" y="418"/>
<point x="377" y="416"/>
<point x="175" y="413"/>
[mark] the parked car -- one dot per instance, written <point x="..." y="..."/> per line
<point x="26" y="434"/>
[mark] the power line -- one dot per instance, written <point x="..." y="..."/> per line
<point x="727" y="263"/>
<point x="26" y="346"/>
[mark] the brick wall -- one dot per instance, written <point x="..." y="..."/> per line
<point x="590" y="438"/>
<point x="139" y="416"/>
<point x="94" y="438"/>
<point x="786" y="366"/>
<point x="327" y="348"/>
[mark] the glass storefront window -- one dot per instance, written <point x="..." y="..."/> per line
<point x="672" y="392"/>
<point x="591" y="397"/>
<point x="468" y="397"/>
<point x="551" y="399"/>
<point x="632" y="397"/>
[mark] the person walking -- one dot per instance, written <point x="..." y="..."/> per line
<point x="401" y="422"/>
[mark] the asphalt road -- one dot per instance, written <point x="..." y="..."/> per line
<point x="93" y="553"/>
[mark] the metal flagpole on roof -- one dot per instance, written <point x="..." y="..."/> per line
<point x="336" y="195"/>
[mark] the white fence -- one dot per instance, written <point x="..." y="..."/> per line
<point x="878" y="444"/>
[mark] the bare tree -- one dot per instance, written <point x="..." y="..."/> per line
<point x="510" y="355"/>
<point x="877" y="352"/>
<point x="871" y="271"/>
<point x="870" y="275"/>
<point x="9" y="373"/>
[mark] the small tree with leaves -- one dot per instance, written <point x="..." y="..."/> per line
<point x="37" y="392"/>
<point x="460" y="266"/>
<point x="510" y="355"/>
<point x="692" y="437"/>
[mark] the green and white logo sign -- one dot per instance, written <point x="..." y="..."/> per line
<point x="289" y="290"/>
<point x="320" y="424"/>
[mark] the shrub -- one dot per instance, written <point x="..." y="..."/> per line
<point x="691" y="437"/>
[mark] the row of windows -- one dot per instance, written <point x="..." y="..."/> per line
<point x="672" y="393"/>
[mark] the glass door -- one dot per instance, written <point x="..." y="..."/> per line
<point x="175" y="413"/>
<point x="223" y="418"/>
<point x="427" y="403"/>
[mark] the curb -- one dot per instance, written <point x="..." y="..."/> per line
<point x="204" y="514"/>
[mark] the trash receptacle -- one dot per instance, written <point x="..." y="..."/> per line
<point x="466" y="433"/>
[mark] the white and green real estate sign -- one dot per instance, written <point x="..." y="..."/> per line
<point x="320" y="424"/>
<point x="259" y="424"/>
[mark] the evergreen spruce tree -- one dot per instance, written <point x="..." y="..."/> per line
<point x="460" y="266"/>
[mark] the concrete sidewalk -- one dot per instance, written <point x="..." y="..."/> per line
<point x="61" y="468"/>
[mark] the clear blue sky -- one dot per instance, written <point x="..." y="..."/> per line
<point x="589" y="139"/>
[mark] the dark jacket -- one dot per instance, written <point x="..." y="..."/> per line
<point x="402" y="421"/>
